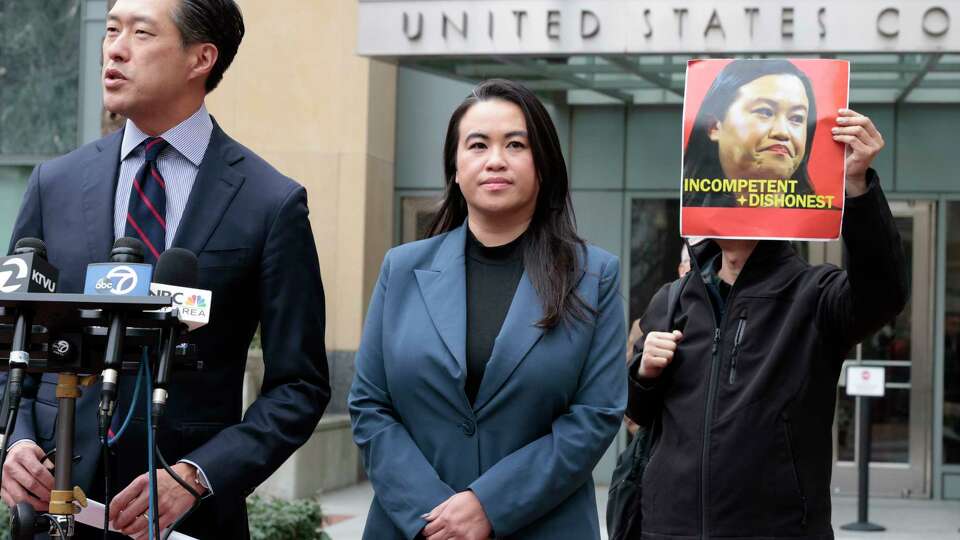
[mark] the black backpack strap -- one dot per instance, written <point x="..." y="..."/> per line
<point x="673" y="299"/>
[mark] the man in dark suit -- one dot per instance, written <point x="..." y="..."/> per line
<point x="172" y="177"/>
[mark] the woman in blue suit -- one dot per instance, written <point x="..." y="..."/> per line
<point x="490" y="376"/>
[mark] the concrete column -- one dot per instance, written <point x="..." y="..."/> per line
<point x="299" y="97"/>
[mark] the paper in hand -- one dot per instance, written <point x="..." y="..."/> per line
<point x="92" y="515"/>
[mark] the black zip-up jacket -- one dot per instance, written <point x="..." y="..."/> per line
<point x="745" y="410"/>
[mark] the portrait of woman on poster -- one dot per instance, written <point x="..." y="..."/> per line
<point x="490" y="377"/>
<point x="757" y="121"/>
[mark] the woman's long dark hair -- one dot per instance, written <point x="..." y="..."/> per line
<point x="702" y="156"/>
<point x="551" y="243"/>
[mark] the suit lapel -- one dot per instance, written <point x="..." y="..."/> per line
<point x="98" y="190"/>
<point x="444" y="291"/>
<point x="517" y="336"/>
<point x="215" y="187"/>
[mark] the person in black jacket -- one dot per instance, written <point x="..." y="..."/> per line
<point x="741" y="384"/>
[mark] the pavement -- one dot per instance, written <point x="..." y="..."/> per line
<point x="905" y="519"/>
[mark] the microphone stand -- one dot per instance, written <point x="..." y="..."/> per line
<point x="18" y="363"/>
<point x="64" y="497"/>
<point x="64" y="494"/>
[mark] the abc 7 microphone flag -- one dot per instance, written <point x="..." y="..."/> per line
<point x="126" y="279"/>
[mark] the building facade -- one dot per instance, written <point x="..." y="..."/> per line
<point x="613" y="74"/>
<point x="352" y="97"/>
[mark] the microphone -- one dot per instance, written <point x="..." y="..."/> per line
<point x="176" y="275"/>
<point x="27" y="270"/>
<point x="124" y="275"/>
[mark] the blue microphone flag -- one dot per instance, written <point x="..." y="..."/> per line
<point x="120" y="279"/>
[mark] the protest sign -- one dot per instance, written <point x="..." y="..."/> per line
<point x="759" y="160"/>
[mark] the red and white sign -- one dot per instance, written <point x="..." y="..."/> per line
<point x="759" y="160"/>
<point x="865" y="381"/>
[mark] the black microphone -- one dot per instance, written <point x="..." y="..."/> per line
<point x="27" y="270"/>
<point x="30" y="245"/>
<point x="125" y="250"/>
<point x="176" y="267"/>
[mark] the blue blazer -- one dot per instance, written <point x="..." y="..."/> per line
<point x="548" y="406"/>
<point x="248" y="225"/>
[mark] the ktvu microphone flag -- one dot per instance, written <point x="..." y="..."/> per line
<point x="27" y="272"/>
<point x="759" y="159"/>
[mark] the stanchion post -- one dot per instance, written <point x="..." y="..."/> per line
<point x="863" y="471"/>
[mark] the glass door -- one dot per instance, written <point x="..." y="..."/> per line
<point x="901" y="451"/>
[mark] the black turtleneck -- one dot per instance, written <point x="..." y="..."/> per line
<point x="492" y="277"/>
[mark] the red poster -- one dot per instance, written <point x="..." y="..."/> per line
<point x="759" y="160"/>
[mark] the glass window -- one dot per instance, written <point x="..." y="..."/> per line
<point x="951" y="349"/>
<point x="654" y="249"/>
<point x="39" y="76"/>
<point x="418" y="214"/>
<point x="13" y="181"/>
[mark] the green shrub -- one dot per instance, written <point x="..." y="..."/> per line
<point x="276" y="519"/>
<point x="4" y="522"/>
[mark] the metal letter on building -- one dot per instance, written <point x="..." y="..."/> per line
<point x="553" y="24"/>
<point x="786" y="22"/>
<point x="714" y="24"/>
<point x="406" y="26"/>
<point x="888" y="22"/>
<point x="936" y="22"/>
<point x="589" y="24"/>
